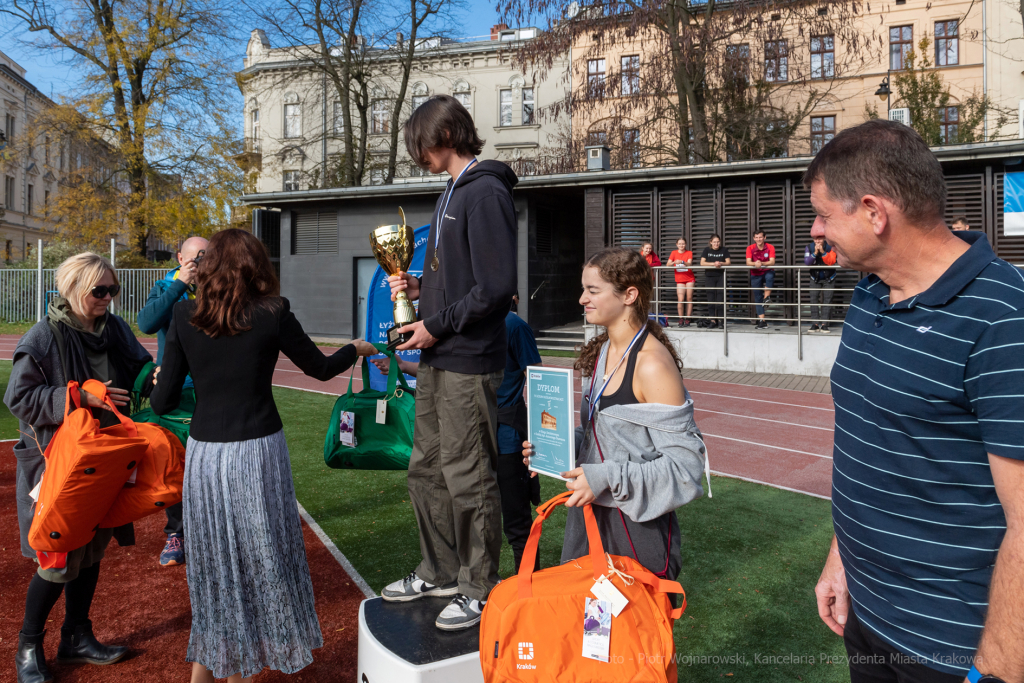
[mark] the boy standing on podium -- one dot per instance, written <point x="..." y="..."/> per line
<point x="469" y="276"/>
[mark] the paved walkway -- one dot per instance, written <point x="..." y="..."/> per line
<point x="769" y="429"/>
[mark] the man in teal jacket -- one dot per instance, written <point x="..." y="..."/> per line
<point x="155" y="317"/>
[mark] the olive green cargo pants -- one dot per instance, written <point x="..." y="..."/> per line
<point x="452" y="479"/>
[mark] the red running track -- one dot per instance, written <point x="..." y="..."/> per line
<point x="145" y="606"/>
<point x="777" y="437"/>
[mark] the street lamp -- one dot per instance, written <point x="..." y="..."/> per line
<point x="883" y="93"/>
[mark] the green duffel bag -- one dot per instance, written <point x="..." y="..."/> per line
<point x="177" y="421"/>
<point x="386" y="446"/>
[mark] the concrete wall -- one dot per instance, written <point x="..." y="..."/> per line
<point x="322" y="287"/>
<point x="765" y="352"/>
<point x="771" y="353"/>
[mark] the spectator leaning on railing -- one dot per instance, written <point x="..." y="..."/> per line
<point x="759" y="255"/>
<point x="928" y="462"/>
<point x="713" y="258"/>
<point x="820" y="253"/>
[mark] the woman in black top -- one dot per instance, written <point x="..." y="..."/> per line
<point x="714" y="257"/>
<point x="251" y="593"/>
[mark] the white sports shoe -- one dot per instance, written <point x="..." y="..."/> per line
<point x="462" y="612"/>
<point x="413" y="587"/>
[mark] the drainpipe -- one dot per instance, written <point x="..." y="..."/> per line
<point x="984" y="59"/>
<point x="323" y="125"/>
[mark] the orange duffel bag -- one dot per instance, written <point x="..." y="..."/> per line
<point x="86" y="468"/>
<point x="532" y="624"/>
<point x="158" y="481"/>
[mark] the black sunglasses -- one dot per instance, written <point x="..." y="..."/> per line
<point x="101" y="291"/>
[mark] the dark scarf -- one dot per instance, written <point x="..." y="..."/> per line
<point x="112" y="337"/>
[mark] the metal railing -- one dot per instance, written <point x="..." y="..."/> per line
<point x="790" y="296"/>
<point x="23" y="300"/>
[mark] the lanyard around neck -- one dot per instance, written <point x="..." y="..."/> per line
<point x="591" y="398"/>
<point x="440" y="218"/>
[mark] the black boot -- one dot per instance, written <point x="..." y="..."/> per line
<point x="79" y="646"/>
<point x="30" y="661"/>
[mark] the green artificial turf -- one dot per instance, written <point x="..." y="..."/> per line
<point x="751" y="554"/>
<point x="558" y="353"/>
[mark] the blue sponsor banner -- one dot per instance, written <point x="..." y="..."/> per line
<point x="1013" y="204"/>
<point x="380" y="315"/>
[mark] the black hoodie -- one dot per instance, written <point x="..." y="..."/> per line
<point x="465" y="301"/>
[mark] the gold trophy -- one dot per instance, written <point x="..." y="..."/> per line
<point x="393" y="248"/>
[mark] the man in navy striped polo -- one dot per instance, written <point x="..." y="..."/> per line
<point x="928" y="477"/>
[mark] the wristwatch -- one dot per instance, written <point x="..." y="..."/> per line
<point x="975" y="676"/>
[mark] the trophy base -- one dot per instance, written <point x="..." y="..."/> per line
<point x="396" y="338"/>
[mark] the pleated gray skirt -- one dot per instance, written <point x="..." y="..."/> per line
<point x="251" y="593"/>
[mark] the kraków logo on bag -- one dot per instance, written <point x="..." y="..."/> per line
<point x="525" y="652"/>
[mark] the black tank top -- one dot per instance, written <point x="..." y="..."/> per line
<point x="624" y="394"/>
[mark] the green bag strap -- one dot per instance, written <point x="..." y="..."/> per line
<point x="394" y="376"/>
<point x="140" y="380"/>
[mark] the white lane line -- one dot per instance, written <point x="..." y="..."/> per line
<point x="765" y="419"/>
<point x="778" y="448"/>
<point x="768" y="483"/>
<point x="313" y="391"/>
<point x="338" y="555"/>
<point x="760" y="400"/>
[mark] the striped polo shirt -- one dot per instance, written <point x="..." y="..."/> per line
<point x="924" y="389"/>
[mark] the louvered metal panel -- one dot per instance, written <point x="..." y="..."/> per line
<point x="305" y="227"/>
<point x="770" y="216"/>
<point x="327" y="236"/>
<point x="965" y="196"/>
<point x="737" y="235"/>
<point x="315" y="233"/>
<point x="703" y="223"/>
<point x="1007" y="248"/>
<point x="670" y="229"/>
<point x="632" y="219"/>
<point x="545" y="220"/>
<point x="594" y="221"/>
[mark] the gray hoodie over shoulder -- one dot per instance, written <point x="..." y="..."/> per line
<point x="654" y="458"/>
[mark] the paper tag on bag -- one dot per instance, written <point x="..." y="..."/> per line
<point x="34" y="493"/>
<point x="347" y="429"/>
<point x="606" y="590"/>
<point x="382" y="411"/>
<point x="597" y="629"/>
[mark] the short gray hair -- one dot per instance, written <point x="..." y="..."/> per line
<point x="883" y="158"/>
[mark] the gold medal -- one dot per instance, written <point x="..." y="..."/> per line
<point x="434" y="264"/>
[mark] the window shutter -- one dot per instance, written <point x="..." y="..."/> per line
<point x="632" y="219"/>
<point x="965" y="196"/>
<point x="315" y="233"/>
<point x="670" y="229"/>
<point x="736" y="235"/>
<point x="594" y="220"/>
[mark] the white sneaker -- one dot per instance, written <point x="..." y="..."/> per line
<point x="413" y="587"/>
<point x="462" y="612"/>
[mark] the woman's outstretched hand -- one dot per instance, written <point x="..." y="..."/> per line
<point x="364" y="348"/>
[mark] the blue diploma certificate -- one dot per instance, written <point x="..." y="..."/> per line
<point x="549" y="394"/>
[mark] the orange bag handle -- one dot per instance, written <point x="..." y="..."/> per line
<point x="98" y="389"/>
<point x="665" y="586"/>
<point x="526" y="565"/>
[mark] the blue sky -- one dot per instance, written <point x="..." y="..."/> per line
<point x="50" y="76"/>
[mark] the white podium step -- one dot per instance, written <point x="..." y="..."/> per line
<point x="398" y="643"/>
